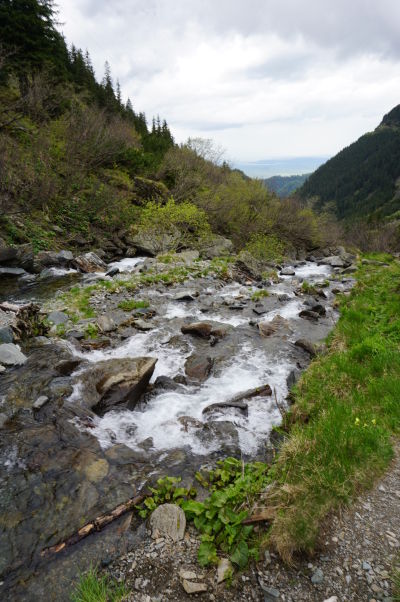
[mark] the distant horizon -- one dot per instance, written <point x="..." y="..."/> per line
<point x="280" y="166"/>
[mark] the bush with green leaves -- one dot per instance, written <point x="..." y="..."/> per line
<point x="266" y="247"/>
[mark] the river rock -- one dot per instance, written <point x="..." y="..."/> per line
<point x="242" y="406"/>
<point x="49" y="259"/>
<point x="335" y="261"/>
<point x="115" y="383"/>
<point x="11" y="355"/>
<point x="205" y="329"/>
<point x="106" y="323"/>
<point x="167" y="384"/>
<point x="168" y="520"/>
<point x="223" y="432"/>
<point x="142" y="325"/>
<point x="198" y="367"/>
<point x="57" y="317"/>
<point x="307" y="346"/>
<point x="89" y="262"/>
<point x="17" y="272"/>
<point x="319" y="309"/>
<point x="277" y="326"/>
<point x="186" y="296"/>
<point x="40" y="402"/>
<point x="308" y="314"/>
<point x="288" y="271"/>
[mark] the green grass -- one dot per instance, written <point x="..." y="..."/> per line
<point x="308" y="289"/>
<point x="396" y="582"/>
<point x="131" y="304"/>
<point x="346" y="411"/>
<point x="257" y="295"/>
<point x="93" y="587"/>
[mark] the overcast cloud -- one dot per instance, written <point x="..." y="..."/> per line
<point x="263" y="78"/>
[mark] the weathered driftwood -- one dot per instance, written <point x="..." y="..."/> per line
<point x="96" y="525"/>
<point x="23" y="320"/>
<point x="238" y="400"/>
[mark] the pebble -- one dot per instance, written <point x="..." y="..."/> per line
<point x="317" y="577"/>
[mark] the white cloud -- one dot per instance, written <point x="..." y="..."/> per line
<point x="261" y="77"/>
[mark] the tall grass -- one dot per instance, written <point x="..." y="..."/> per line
<point x="93" y="587"/>
<point x="347" y="409"/>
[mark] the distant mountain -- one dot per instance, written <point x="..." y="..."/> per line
<point x="283" y="186"/>
<point x="289" y="166"/>
<point x="364" y="178"/>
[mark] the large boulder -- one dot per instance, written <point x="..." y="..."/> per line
<point x="89" y="262"/>
<point x="168" y="520"/>
<point x="277" y="326"/>
<point x="152" y="242"/>
<point x="11" y="355"/>
<point x="250" y="266"/>
<point x="115" y="383"/>
<point x="216" y="247"/>
<point x="49" y="259"/>
<point x="20" y="256"/>
<point x="198" y="367"/>
<point x="206" y="329"/>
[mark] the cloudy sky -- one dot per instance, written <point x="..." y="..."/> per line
<point x="263" y="78"/>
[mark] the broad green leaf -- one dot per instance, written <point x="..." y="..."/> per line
<point x="207" y="553"/>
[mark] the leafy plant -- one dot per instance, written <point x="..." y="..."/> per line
<point x="93" y="587"/>
<point x="166" y="491"/>
<point x="91" y="331"/>
<point x="235" y="488"/>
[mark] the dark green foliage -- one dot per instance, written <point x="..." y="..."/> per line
<point x="361" y="179"/>
<point x="283" y="186"/>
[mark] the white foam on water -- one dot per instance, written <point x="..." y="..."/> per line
<point x="312" y="270"/>
<point x="128" y="264"/>
<point x="56" y="272"/>
<point x="159" y="418"/>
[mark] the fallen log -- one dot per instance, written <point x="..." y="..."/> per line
<point x="264" y="515"/>
<point x="96" y="525"/>
<point x="238" y="400"/>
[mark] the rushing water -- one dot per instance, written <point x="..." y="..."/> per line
<point x="253" y="363"/>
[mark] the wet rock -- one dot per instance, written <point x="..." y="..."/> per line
<point x="216" y="247"/>
<point x="186" y="296"/>
<point x="12" y="272"/>
<point x="112" y="272"/>
<point x="11" y="355"/>
<point x="49" y="259"/>
<point x="168" y="520"/>
<point x="223" y="432"/>
<point x="205" y="329"/>
<point x="188" y="422"/>
<point x="89" y="262"/>
<point x="142" y="325"/>
<point x="40" y="402"/>
<point x="115" y="383"/>
<point x="307" y="345"/>
<point x="292" y="378"/>
<point x="277" y="326"/>
<point x="335" y="261"/>
<point x="198" y="367"/>
<point x="242" y="406"/>
<point x="166" y="383"/>
<point x="319" y="309"/>
<point x="6" y="333"/>
<point x="287" y="271"/>
<point x="308" y="314"/>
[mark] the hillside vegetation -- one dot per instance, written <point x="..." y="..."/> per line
<point x="283" y="186"/>
<point x="363" y="179"/>
<point x="77" y="163"/>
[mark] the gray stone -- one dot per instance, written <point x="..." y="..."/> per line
<point x="288" y="271"/>
<point x="335" y="261"/>
<point x="153" y="242"/>
<point x="317" y="577"/>
<point x="216" y="247"/>
<point x="11" y="355"/>
<point x="185" y="296"/>
<point x="3" y="419"/>
<point x="271" y="594"/>
<point x="20" y="256"/>
<point x="366" y="566"/>
<point x="112" y="272"/>
<point x="6" y="334"/>
<point x="106" y="323"/>
<point x="12" y="272"/>
<point x="57" y="317"/>
<point x="168" y="520"/>
<point x="306" y="346"/>
<point x="192" y="587"/>
<point x="198" y="367"/>
<point x="142" y="325"/>
<point x="250" y="266"/>
<point x="40" y="402"/>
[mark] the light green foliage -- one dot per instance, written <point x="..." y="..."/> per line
<point x="308" y="289"/>
<point x="346" y="411"/>
<point x="234" y="489"/>
<point x="119" y="179"/>
<point x="266" y="247"/>
<point x="77" y="300"/>
<point x="166" y="491"/>
<point x="93" y="587"/>
<point x="185" y="218"/>
<point x="131" y="304"/>
<point x="260" y="294"/>
<point x="91" y="331"/>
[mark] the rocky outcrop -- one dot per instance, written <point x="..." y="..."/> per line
<point x="115" y="383"/>
<point x="11" y="355"/>
<point x="250" y="267"/>
<point x="20" y="256"/>
<point x="153" y="242"/>
<point x="198" y="367"/>
<point x="89" y="262"/>
<point x="49" y="259"/>
<point x="216" y="247"/>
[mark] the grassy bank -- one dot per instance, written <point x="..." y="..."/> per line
<point x="347" y="408"/>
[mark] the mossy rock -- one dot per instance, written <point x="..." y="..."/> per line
<point x="149" y="190"/>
